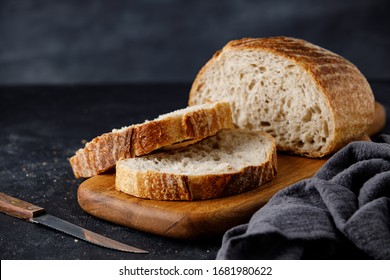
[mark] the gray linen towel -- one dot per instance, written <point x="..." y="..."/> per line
<point x="343" y="212"/>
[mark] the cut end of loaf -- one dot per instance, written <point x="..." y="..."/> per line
<point x="298" y="92"/>
<point x="228" y="163"/>
<point x="270" y="93"/>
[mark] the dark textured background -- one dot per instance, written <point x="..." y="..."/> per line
<point x="62" y="42"/>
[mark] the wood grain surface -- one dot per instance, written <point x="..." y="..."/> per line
<point x="183" y="219"/>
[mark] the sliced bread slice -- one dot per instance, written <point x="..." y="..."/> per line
<point x="176" y="129"/>
<point x="231" y="162"/>
<point x="311" y="100"/>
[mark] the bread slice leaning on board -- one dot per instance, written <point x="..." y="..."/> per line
<point x="231" y="162"/>
<point x="169" y="131"/>
<point x="311" y="100"/>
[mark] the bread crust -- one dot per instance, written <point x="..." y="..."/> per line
<point x="156" y="185"/>
<point x="179" y="130"/>
<point x="101" y="153"/>
<point x="343" y="86"/>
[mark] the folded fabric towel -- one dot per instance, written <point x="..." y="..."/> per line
<point x="343" y="212"/>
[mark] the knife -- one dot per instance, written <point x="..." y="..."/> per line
<point x="35" y="214"/>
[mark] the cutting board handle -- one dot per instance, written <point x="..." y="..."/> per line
<point x="379" y="120"/>
<point x="18" y="208"/>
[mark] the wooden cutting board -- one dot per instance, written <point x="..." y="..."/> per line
<point x="182" y="219"/>
<point x="195" y="219"/>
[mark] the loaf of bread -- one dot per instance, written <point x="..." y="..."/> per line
<point x="231" y="162"/>
<point x="172" y="130"/>
<point x="311" y="100"/>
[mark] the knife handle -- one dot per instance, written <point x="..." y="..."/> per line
<point x="19" y="208"/>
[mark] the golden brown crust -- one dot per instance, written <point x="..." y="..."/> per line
<point x="104" y="151"/>
<point x="345" y="89"/>
<point x="164" y="186"/>
<point x="194" y="125"/>
<point x="101" y="153"/>
<point x="152" y="185"/>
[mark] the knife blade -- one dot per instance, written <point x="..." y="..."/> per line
<point x="26" y="211"/>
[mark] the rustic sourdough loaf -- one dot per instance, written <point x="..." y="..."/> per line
<point x="175" y="129"/>
<point x="311" y="100"/>
<point x="231" y="162"/>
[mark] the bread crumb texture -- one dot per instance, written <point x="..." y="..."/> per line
<point x="230" y="162"/>
<point x="311" y="100"/>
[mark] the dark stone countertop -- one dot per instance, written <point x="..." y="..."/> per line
<point x="41" y="127"/>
